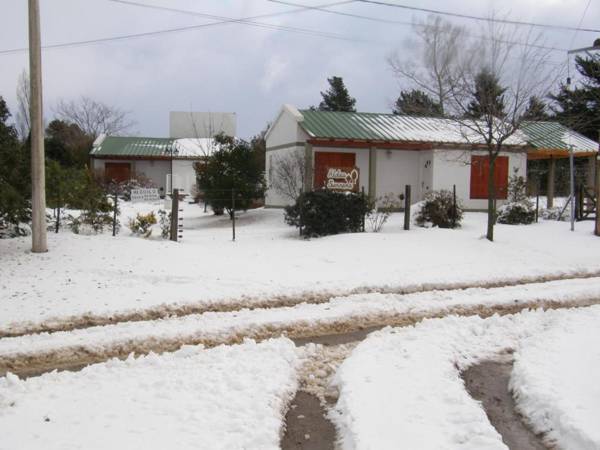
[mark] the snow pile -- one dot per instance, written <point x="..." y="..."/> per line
<point x="555" y="381"/>
<point x="223" y="398"/>
<point x="402" y="387"/>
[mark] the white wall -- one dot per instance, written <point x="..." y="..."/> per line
<point x="272" y="197"/>
<point x="155" y="170"/>
<point x="188" y="124"/>
<point x="285" y="131"/>
<point x="184" y="175"/>
<point x="396" y="169"/>
<point x="453" y="167"/>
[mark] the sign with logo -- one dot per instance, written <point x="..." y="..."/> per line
<point x="145" y="195"/>
<point x="342" y="179"/>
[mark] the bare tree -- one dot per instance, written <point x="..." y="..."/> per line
<point x="23" y="102"/>
<point x="490" y="98"/>
<point x="94" y="117"/>
<point x="287" y="177"/>
<point x="435" y="60"/>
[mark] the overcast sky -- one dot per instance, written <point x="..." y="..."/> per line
<point x="236" y="67"/>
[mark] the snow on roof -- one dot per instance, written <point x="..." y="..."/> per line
<point x="546" y="135"/>
<point x="157" y="148"/>
<point x="392" y="128"/>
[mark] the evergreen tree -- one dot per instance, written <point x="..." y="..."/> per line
<point x="15" y="188"/>
<point x="536" y="110"/>
<point x="234" y="166"/>
<point x="67" y="144"/>
<point x="337" y="98"/>
<point x="416" y="103"/>
<point x="488" y="96"/>
<point x="579" y="108"/>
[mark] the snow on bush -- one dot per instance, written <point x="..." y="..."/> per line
<point x="439" y="210"/>
<point x="229" y="397"/>
<point x="141" y="224"/>
<point x="402" y="388"/>
<point x="555" y="382"/>
<point x="516" y="213"/>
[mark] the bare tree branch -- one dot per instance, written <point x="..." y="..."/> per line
<point x="94" y="117"/>
<point x="288" y="174"/>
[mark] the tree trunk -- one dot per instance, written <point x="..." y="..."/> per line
<point x="491" y="219"/>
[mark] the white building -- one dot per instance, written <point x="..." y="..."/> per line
<point x="163" y="159"/>
<point x="390" y="151"/>
<point x="158" y="159"/>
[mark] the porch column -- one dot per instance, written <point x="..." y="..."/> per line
<point x="308" y="168"/>
<point x="591" y="172"/>
<point x="550" y="189"/>
<point x="373" y="172"/>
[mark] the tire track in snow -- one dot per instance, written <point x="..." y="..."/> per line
<point x="35" y="354"/>
<point x="229" y="305"/>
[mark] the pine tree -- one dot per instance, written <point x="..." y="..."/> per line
<point x="536" y="110"/>
<point x="488" y="96"/>
<point x="416" y="103"/>
<point x="15" y="188"/>
<point x="234" y="166"/>
<point x="337" y="98"/>
<point x="579" y="108"/>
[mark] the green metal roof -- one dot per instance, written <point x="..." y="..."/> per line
<point x="390" y="128"/>
<point x="555" y="136"/>
<point x="133" y="146"/>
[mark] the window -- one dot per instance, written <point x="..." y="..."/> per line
<point x="480" y="172"/>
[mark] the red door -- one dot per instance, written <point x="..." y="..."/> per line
<point x="324" y="160"/>
<point x="480" y="173"/>
<point x="118" y="172"/>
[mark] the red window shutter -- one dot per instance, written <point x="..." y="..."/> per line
<point x="480" y="172"/>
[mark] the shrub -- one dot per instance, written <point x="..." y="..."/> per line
<point x="438" y="210"/>
<point x="519" y="209"/>
<point x="380" y="211"/>
<point x="96" y="208"/>
<point x="165" y="223"/>
<point x="326" y="212"/>
<point x="124" y="188"/>
<point x="141" y="225"/>
<point x="516" y="213"/>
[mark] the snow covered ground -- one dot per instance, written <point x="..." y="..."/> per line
<point x="337" y="315"/>
<point x="402" y="387"/>
<point x="555" y="381"/>
<point x="101" y="275"/>
<point x="228" y="397"/>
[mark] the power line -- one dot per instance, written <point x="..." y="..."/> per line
<point x="219" y="20"/>
<point x="404" y="23"/>
<point x="480" y="18"/>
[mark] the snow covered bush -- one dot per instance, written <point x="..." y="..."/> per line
<point x="141" y="225"/>
<point x="324" y="212"/>
<point x="380" y="211"/>
<point x="519" y="210"/>
<point x="557" y="213"/>
<point x="516" y="213"/>
<point x="164" y="220"/>
<point x="438" y="210"/>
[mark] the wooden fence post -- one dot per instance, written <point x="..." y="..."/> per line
<point x="407" y="207"/>
<point x="174" y="214"/>
<point x="233" y="213"/>
<point x="115" y="210"/>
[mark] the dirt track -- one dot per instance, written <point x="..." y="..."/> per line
<point x="177" y="310"/>
<point x="80" y="355"/>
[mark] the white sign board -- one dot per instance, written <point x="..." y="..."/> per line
<point x="145" y="195"/>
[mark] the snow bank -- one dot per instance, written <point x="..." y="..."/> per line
<point x="224" y="398"/>
<point x="101" y="276"/>
<point x="402" y="387"/>
<point x="306" y="319"/>
<point x="555" y="381"/>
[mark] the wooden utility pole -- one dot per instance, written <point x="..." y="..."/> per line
<point x="38" y="177"/>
